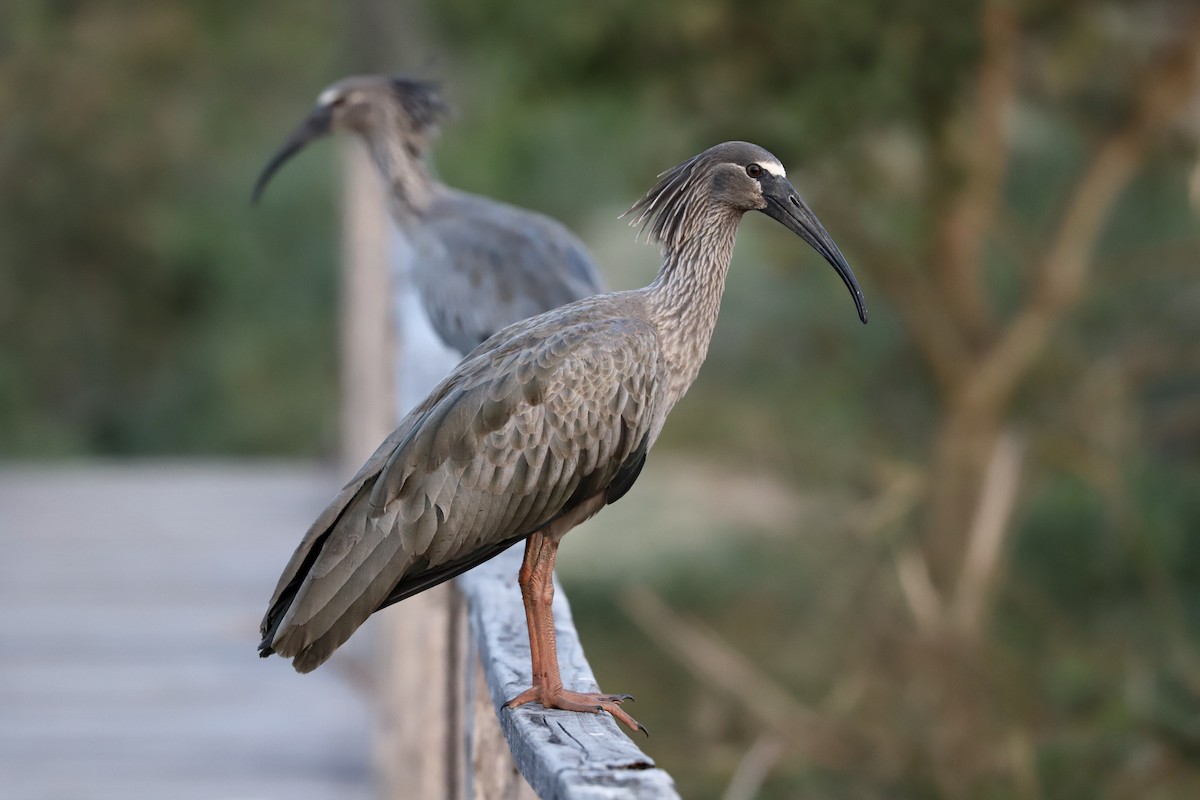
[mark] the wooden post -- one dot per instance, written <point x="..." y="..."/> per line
<point x="388" y="364"/>
<point x="368" y="339"/>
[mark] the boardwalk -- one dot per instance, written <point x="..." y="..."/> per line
<point x="129" y="602"/>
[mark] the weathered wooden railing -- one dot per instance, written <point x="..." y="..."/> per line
<point x="449" y="657"/>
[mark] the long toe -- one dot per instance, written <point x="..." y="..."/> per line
<point x="620" y="715"/>
<point x="585" y="697"/>
<point x="581" y="702"/>
<point x="531" y="695"/>
<point x="595" y="703"/>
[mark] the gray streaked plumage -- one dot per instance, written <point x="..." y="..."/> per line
<point x="538" y="427"/>
<point x="478" y="264"/>
<point x="489" y="457"/>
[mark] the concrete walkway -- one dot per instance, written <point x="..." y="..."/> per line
<point x="130" y="596"/>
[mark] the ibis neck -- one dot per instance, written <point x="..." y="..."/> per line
<point x="685" y="297"/>
<point x="400" y="163"/>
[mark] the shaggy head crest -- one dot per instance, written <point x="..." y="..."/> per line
<point x="671" y="211"/>
<point x="662" y="212"/>
<point x="422" y="102"/>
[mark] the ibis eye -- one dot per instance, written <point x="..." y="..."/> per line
<point x="754" y="170"/>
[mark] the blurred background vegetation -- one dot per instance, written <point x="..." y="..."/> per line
<point x="960" y="546"/>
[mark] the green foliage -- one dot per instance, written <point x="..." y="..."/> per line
<point x="721" y="65"/>
<point x="139" y="308"/>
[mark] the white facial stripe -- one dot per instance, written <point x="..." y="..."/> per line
<point x="326" y="97"/>
<point x="774" y="167"/>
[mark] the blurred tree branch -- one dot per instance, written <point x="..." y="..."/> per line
<point x="978" y="402"/>
<point x="985" y="541"/>
<point x="967" y="217"/>
<point x="1160" y="95"/>
<point x="821" y="740"/>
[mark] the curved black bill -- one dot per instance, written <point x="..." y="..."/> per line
<point x="785" y="205"/>
<point x="315" y="126"/>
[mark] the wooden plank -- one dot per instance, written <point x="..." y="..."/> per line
<point x="563" y="755"/>
<point x="130" y="597"/>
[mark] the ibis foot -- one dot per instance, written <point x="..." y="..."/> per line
<point x="588" y="702"/>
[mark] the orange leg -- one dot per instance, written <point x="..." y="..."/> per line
<point x="533" y="547"/>
<point x="536" y="580"/>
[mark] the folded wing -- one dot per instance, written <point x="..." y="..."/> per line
<point x="520" y="433"/>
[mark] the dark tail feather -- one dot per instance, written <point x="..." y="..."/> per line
<point x="270" y="623"/>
